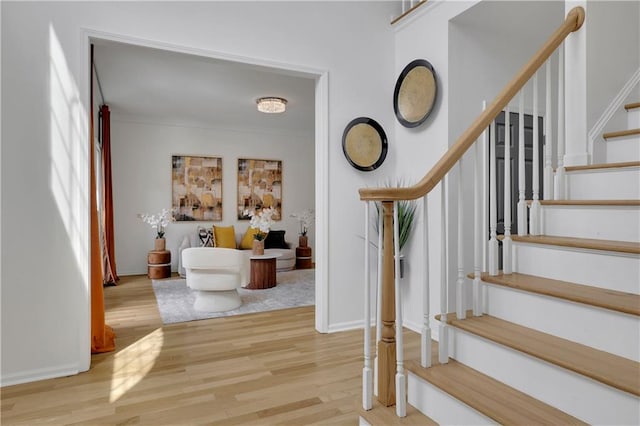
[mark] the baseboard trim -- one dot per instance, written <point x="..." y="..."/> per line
<point x="39" y="374"/>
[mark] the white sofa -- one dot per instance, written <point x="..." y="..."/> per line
<point x="216" y="274"/>
<point x="285" y="262"/>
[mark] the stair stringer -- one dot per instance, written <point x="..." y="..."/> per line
<point x="575" y="394"/>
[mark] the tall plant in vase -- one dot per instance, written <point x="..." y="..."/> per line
<point x="305" y="219"/>
<point x="261" y="221"/>
<point x="159" y="222"/>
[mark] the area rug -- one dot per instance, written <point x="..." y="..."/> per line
<point x="295" y="288"/>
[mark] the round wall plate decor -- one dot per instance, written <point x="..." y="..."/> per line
<point x="415" y="93"/>
<point x="364" y="144"/>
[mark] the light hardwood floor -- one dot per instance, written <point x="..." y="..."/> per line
<point x="267" y="368"/>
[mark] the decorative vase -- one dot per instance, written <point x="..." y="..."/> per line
<point x="160" y="244"/>
<point x="303" y="240"/>
<point x="258" y="247"/>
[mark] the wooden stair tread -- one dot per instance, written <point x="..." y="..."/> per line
<point x="618" y="301"/>
<point x="631" y="247"/>
<point x="615" y="371"/>
<point x="490" y="397"/>
<point x="632" y="105"/>
<point x="381" y="415"/>
<point x="602" y="166"/>
<point x="621" y="133"/>
<point x="588" y="202"/>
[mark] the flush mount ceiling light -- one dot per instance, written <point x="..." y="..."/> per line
<point x="272" y="105"/>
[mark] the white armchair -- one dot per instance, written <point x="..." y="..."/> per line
<point x="216" y="274"/>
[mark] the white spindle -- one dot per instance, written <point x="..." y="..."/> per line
<point x="460" y="290"/>
<point x="522" y="204"/>
<point x="425" y="358"/>
<point x="401" y="388"/>
<point x="506" y="242"/>
<point x="378" y="303"/>
<point x="493" y="204"/>
<point x="534" y="220"/>
<point x="548" y="138"/>
<point x="477" y="228"/>
<point x="484" y="198"/>
<point x="367" y="374"/>
<point x="559" y="190"/>
<point x="443" y="344"/>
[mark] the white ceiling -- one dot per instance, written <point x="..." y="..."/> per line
<point x="143" y="83"/>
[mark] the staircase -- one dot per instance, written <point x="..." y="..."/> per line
<point x="559" y="340"/>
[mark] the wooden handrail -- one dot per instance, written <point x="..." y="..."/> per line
<point x="573" y="22"/>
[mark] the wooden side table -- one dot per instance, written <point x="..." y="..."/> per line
<point x="263" y="271"/>
<point x="303" y="258"/>
<point x="159" y="264"/>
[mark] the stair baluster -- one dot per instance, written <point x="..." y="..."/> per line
<point x="425" y="346"/>
<point x="461" y="312"/>
<point x="367" y="379"/>
<point x="548" y="137"/>
<point x="534" y="220"/>
<point x="378" y="304"/>
<point x="401" y="380"/>
<point x="443" y="344"/>
<point x="506" y="242"/>
<point x="522" y="204"/>
<point x="493" y="203"/>
<point x="559" y="188"/>
<point x="477" y="230"/>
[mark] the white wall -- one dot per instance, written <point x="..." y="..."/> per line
<point x="45" y="162"/>
<point x="425" y="37"/>
<point x="142" y="182"/>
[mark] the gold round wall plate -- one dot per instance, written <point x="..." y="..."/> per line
<point x="364" y="144"/>
<point x="415" y="93"/>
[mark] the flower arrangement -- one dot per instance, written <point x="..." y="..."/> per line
<point x="158" y="221"/>
<point x="305" y="219"/>
<point x="262" y="221"/>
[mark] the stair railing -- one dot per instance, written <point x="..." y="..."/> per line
<point x="389" y="359"/>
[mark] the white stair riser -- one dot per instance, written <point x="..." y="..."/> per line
<point x="633" y="118"/>
<point x="596" y="268"/>
<point x="593" y="329"/>
<point x="619" y="223"/>
<point x="440" y="406"/>
<point x="572" y="393"/>
<point x="605" y="184"/>
<point x="621" y="149"/>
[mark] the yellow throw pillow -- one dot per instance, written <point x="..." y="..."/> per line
<point x="247" y="239"/>
<point x="224" y="236"/>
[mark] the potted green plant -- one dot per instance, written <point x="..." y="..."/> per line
<point x="406" y="217"/>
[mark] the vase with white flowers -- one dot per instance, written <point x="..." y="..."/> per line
<point x="158" y="222"/>
<point x="305" y="219"/>
<point x="261" y="221"/>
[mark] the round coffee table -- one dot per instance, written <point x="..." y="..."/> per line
<point x="263" y="271"/>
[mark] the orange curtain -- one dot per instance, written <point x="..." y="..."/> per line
<point x="110" y="274"/>
<point x="102" y="336"/>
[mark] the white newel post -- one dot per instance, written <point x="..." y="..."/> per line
<point x="506" y="242"/>
<point x="548" y="137"/>
<point x="493" y="204"/>
<point x="443" y="344"/>
<point x="559" y="187"/>
<point x="522" y="204"/>
<point x="460" y="293"/>
<point x="367" y="374"/>
<point x="401" y="387"/>
<point x="425" y="357"/>
<point x="534" y="220"/>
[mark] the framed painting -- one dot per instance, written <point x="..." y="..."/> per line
<point x="196" y="188"/>
<point x="259" y="186"/>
